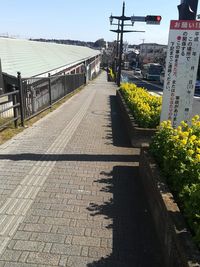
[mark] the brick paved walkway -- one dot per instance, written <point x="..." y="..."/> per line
<point x="70" y="193"/>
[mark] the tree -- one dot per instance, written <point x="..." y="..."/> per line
<point x="100" y="43"/>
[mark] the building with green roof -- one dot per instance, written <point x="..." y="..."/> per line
<point x="44" y="72"/>
<point x="36" y="59"/>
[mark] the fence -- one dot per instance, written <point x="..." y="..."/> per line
<point x="9" y="108"/>
<point x="34" y="95"/>
<point x="41" y="93"/>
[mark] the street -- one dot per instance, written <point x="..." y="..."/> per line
<point x="156" y="87"/>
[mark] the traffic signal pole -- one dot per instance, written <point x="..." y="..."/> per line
<point x="149" y="19"/>
<point x="120" y="48"/>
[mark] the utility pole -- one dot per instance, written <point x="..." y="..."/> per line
<point x="149" y="19"/>
<point x="121" y="47"/>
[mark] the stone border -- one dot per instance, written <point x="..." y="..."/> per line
<point x="137" y="135"/>
<point x="176" y="240"/>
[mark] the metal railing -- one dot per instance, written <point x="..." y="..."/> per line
<point x="9" y="108"/>
<point x="31" y="96"/>
<point x="39" y="94"/>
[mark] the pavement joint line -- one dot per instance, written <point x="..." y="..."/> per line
<point x="15" y="207"/>
<point x="3" y="243"/>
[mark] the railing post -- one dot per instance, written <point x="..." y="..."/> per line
<point x="50" y="97"/>
<point x="15" y="109"/>
<point x="21" y="98"/>
<point x="65" y="84"/>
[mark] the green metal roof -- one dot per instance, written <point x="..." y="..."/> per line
<point x="33" y="58"/>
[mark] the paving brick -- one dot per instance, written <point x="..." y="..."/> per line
<point x="37" y="228"/>
<point x="51" y="238"/>
<point x="11" y="244"/>
<point x="47" y="247"/>
<point x="87" y="223"/>
<point x="73" y="261"/>
<point x="31" y="219"/>
<point x="20" y="264"/>
<point x="107" y="233"/>
<point x="43" y="258"/>
<point x="22" y="235"/>
<point x="11" y="255"/>
<point x="29" y="246"/>
<point x="74" y="215"/>
<point x="70" y="230"/>
<point x="62" y="207"/>
<point x="43" y="212"/>
<point x="106" y="243"/>
<point x="84" y="251"/>
<point x="23" y="256"/>
<point x="99" y="252"/>
<point x="57" y="221"/>
<point x="66" y="249"/>
<point x="86" y="241"/>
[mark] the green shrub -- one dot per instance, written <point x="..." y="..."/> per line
<point x="177" y="151"/>
<point x="144" y="106"/>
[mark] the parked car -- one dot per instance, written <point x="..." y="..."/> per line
<point x="137" y="72"/>
<point x="197" y="87"/>
<point x="162" y="77"/>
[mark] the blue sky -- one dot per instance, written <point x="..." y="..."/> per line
<point x="86" y="20"/>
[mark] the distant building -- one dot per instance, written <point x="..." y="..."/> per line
<point x="132" y="56"/>
<point x="152" y="52"/>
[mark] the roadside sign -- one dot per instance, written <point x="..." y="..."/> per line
<point x="181" y="69"/>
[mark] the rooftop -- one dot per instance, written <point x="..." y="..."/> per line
<point x="33" y="58"/>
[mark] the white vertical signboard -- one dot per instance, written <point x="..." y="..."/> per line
<point x="181" y="69"/>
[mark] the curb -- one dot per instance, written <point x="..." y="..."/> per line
<point x="138" y="136"/>
<point x="176" y="240"/>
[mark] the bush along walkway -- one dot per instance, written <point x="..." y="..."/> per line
<point x="70" y="190"/>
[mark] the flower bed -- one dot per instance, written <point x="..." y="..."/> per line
<point x="144" y="107"/>
<point x="175" y="239"/>
<point x="177" y="151"/>
<point x="137" y="135"/>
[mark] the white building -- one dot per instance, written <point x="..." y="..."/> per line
<point x="152" y="52"/>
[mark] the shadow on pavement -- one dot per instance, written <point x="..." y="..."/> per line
<point x="117" y="132"/>
<point x="70" y="157"/>
<point x="134" y="239"/>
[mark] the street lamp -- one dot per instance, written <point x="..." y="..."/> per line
<point x="111" y="19"/>
<point x="121" y="19"/>
<point x="149" y="19"/>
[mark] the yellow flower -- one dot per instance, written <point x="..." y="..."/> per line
<point x="198" y="150"/>
<point x="193" y="137"/>
<point x="190" y="152"/>
<point x="184" y="124"/>
<point x="196" y="118"/>
<point x="198" y="157"/>
<point x="185" y="134"/>
<point x="184" y="142"/>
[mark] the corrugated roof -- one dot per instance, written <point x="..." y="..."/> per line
<point x="33" y="58"/>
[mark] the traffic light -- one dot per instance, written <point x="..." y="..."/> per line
<point x="188" y="10"/>
<point x="155" y="19"/>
